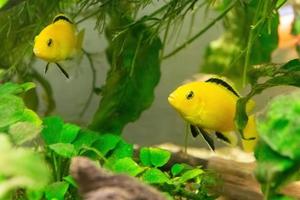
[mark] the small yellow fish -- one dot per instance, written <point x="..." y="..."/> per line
<point x="210" y="106"/>
<point x="58" y="41"/>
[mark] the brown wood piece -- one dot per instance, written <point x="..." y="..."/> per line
<point x="97" y="184"/>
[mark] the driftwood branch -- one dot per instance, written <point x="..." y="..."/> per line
<point x="97" y="184"/>
<point x="238" y="179"/>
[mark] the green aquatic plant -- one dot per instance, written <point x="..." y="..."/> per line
<point x="41" y="170"/>
<point x="249" y="39"/>
<point x="277" y="152"/>
<point x="274" y="75"/>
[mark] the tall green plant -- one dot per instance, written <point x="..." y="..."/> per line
<point x="134" y="73"/>
<point x="249" y="38"/>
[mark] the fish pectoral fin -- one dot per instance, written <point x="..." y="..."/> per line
<point x="79" y="39"/>
<point x="194" y="131"/>
<point x="229" y="138"/>
<point x="47" y="67"/>
<point x="209" y="141"/>
<point x="62" y="70"/>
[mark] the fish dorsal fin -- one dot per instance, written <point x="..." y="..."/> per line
<point x="224" y="84"/>
<point x="61" y="17"/>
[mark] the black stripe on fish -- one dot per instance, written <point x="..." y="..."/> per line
<point x="224" y="84"/>
<point x="222" y="137"/>
<point x="209" y="141"/>
<point x="62" y="17"/>
<point x="194" y="131"/>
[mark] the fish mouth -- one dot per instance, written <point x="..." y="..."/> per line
<point x="172" y="100"/>
<point x="35" y="51"/>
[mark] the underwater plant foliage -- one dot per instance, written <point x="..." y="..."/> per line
<point x="43" y="172"/>
<point x="277" y="153"/>
<point x="249" y="38"/>
<point x="136" y="47"/>
<point x="134" y="73"/>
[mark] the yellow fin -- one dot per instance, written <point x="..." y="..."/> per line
<point x="250" y="132"/>
<point x="250" y="106"/>
<point x="79" y="41"/>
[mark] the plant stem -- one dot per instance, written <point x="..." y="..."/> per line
<point x="201" y="31"/>
<point x="48" y="90"/>
<point x="88" y="102"/>
<point x="258" y="22"/>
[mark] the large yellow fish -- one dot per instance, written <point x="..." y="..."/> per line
<point x="57" y="42"/>
<point x="209" y="107"/>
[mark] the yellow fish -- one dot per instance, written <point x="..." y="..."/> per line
<point x="209" y="107"/>
<point x="58" y="41"/>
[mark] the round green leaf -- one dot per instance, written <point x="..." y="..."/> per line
<point x="280" y="128"/>
<point x="145" y="156"/>
<point x="23" y="131"/>
<point x="190" y="174"/>
<point x="177" y="169"/>
<point x="63" y="149"/>
<point x="106" y="143"/>
<point x="11" y="110"/>
<point x="69" y="133"/>
<point x="155" y="176"/>
<point x="127" y="166"/>
<point x="52" y="130"/>
<point x="56" y="190"/>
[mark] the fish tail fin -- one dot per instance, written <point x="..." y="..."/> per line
<point x="250" y="132"/>
<point x="79" y="41"/>
<point x="250" y="106"/>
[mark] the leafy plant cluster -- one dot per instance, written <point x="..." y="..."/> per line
<point x="277" y="153"/>
<point x="43" y="171"/>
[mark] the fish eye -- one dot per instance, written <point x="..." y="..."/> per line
<point x="49" y="42"/>
<point x="190" y="95"/>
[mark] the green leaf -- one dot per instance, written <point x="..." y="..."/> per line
<point x="35" y="194"/>
<point x="85" y="138"/>
<point x="280" y="129"/>
<point x="145" y="156"/>
<point x="154" y="156"/>
<point x="23" y="168"/>
<point x="69" y="133"/>
<point x="11" y="110"/>
<point x="32" y="117"/>
<point x="287" y="74"/>
<point x="226" y="55"/>
<point x="296" y="26"/>
<point x="56" y="191"/>
<point x="23" y="131"/>
<point x="159" y="157"/>
<point x="63" y="149"/>
<point x="14" y="89"/>
<point x="190" y="174"/>
<point x="122" y="150"/>
<point x="177" y="169"/>
<point x="155" y="176"/>
<point x="134" y="74"/>
<point x="51" y="132"/>
<point x="127" y="166"/>
<point x="70" y="180"/>
<point x="272" y="169"/>
<point x="2" y="3"/>
<point x="241" y="117"/>
<point x="106" y="143"/>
